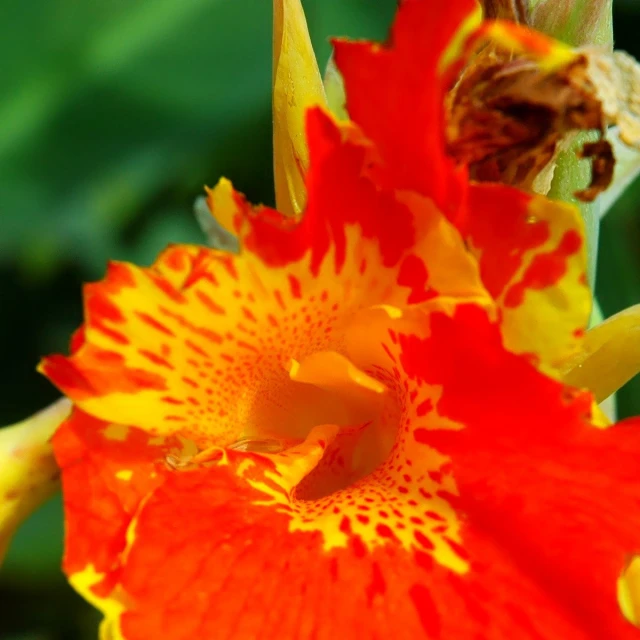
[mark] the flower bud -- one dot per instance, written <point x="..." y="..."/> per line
<point x="297" y="85"/>
<point x="576" y="22"/>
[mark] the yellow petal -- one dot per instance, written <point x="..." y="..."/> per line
<point x="610" y="356"/>
<point x="629" y="591"/>
<point x="28" y="470"/>
<point x="297" y="85"/>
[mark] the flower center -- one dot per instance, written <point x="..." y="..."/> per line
<point x="327" y="389"/>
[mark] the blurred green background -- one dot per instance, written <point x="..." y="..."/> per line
<point x="113" y="115"/>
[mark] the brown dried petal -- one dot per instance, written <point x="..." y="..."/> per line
<point x="602" y="166"/>
<point x="515" y="10"/>
<point x="508" y="117"/>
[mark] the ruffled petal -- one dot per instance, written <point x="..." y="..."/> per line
<point x="406" y="81"/>
<point x="200" y="343"/>
<point x="427" y="540"/>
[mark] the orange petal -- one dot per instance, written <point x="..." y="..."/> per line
<point x="296" y="86"/>
<point x="28" y="472"/>
<point x="531" y="471"/>
<point x="429" y="539"/>
<point x="107" y="470"/>
<point x="610" y="355"/>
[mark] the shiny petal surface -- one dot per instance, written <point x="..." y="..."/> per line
<point x="297" y="85"/>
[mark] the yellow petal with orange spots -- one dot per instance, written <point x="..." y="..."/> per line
<point x="610" y="355"/>
<point x="297" y="85"/>
<point x="28" y="471"/>
<point x="440" y="514"/>
<point x="532" y="260"/>
<point x="190" y="344"/>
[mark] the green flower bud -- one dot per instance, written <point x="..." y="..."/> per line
<point x="575" y="22"/>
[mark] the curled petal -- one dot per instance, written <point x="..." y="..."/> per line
<point x="610" y="355"/>
<point x="297" y="85"/>
<point x="28" y="471"/>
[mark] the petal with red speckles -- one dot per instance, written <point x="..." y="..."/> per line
<point x="428" y="479"/>
<point x="427" y="540"/>
<point x="532" y="260"/>
<point x="200" y="343"/>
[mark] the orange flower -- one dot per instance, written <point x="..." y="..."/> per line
<point x="354" y="427"/>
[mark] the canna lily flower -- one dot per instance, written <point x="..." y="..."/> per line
<point x="356" y="426"/>
<point x="30" y="478"/>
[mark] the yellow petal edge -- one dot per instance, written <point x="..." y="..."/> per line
<point x="610" y="356"/>
<point x="28" y="471"/>
<point x="297" y="85"/>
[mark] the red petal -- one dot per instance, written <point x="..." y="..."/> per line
<point x="396" y="94"/>
<point x="559" y="496"/>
